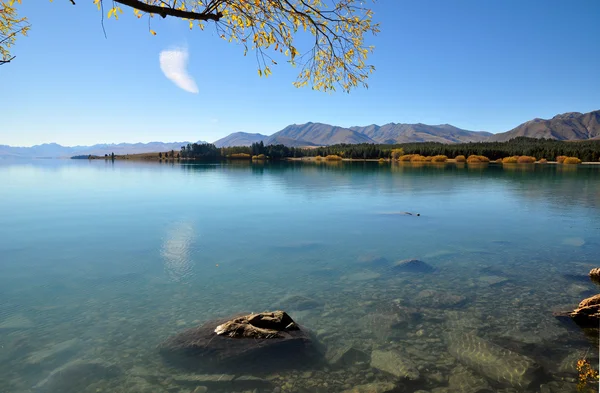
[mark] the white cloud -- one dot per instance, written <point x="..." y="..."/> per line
<point x="173" y="64"/>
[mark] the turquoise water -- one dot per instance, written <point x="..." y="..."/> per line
<point x="100" y="262"/>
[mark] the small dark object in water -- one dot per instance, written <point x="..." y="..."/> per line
<point x="256" y="343"/>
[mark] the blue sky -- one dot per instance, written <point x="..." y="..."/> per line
<point x="479" y="65"/>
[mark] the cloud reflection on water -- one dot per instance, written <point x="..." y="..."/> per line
<point x="176" y="251"/>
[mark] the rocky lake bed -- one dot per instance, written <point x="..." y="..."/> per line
<point x="410" y="329"/>
<point x="124" y="292"/>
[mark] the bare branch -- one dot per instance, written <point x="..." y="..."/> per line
<point x="165" y="11"/>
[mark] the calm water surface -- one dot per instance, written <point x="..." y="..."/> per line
<point x="100" y="262"/>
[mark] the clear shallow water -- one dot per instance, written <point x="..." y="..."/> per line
<point x="100" y="262"/>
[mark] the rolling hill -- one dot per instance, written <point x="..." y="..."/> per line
<point x="240" y="139"/>
<point x="319" y="134"/>
<point x="568" y="126"/>
<point x="405" y="133"/>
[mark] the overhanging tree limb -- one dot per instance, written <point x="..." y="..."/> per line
<point x="166" y="11"/>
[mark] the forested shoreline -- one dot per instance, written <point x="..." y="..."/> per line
<point x="548" y="149"/>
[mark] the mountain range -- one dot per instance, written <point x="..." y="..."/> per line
<point x="567" y="126"/>
<point x="54" y="150"/>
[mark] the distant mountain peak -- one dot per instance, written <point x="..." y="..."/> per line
<point x="565" y="126"/>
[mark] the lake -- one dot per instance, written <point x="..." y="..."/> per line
<point x="101" y="262"/>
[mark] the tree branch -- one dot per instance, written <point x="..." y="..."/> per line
<point x="2" y="62"/>
<point x="164" y="11"/>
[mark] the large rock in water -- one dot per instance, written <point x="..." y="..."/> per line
<point x="263" y="342"/>
<point x="587" y="315"/>
<point x="595" y="275"/>
<point x="495" y="362"/>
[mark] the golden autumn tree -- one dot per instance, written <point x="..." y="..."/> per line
<point x="11" y="25"/>
<point x="335" y="56"/>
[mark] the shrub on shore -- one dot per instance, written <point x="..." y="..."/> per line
<point x="318" y="158"/>
<point x="498" y="161"/>
<point x="439" y="158"/>
<point x="560" y="159"/>
<point x="406" y="157"/>
<point x="397" y="153"/>
<point x="572" y="160"/>
<point x="418" y="158"/>
<point x="510" y="160"/>
<point x="474" y="159"/>
<point x="526" y="160"/>
<point x="428" y="159"/>
<point x="543" y="161"/>
<point x="381" y="160"/>
<point x="240" y="155"/>
<point x="460" y="158"/>
<point x="333" y="157"/>
<point x="259" y="157"/>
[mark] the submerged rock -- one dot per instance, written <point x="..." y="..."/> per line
<point x="16" y="322"/>
<point x="373" y="261"/>
<point x="75" y="376"/>
<point x="491" y="281"/>
<point x="361" y="276"/>
<point x="298" y="303"/>
<point x="493" y="361"/>
<point x="394" y="363"/>
<point x="53" y="353"/>
<point x="256" y="342"/>
<point x="376" y="387"/>
<point x="576" y="277"/>
<point x="221" y="381"/>
<point x="413" y="266"/>
<point x="464" y="381"/>
<point x="438" y="299"/>
<point x="345" y="356"/>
